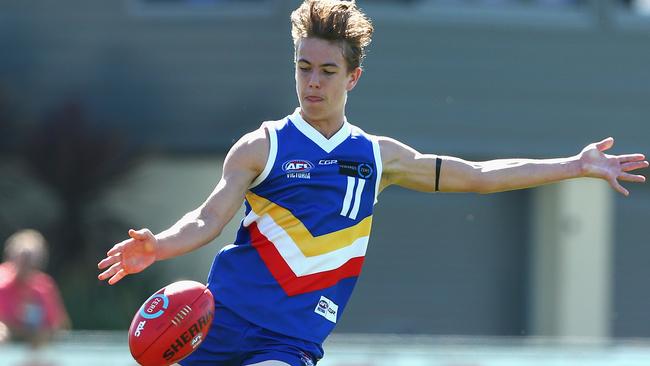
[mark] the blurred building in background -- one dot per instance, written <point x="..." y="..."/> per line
<point x="118" y="114"/>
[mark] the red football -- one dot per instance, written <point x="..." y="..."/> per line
<point x="171" y="323"/>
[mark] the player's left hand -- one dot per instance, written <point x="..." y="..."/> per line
<point x="612" y="168"/>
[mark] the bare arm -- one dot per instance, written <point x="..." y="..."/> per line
<point x="408" y="168"/>
<point x="243" y="164"/>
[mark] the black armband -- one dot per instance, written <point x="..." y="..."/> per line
<point x="438" y="166"/>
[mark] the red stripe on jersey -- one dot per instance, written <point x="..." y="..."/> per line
<point x="296" y="285"/>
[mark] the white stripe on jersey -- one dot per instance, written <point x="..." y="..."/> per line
<point x="348" y="196"/>
<point x="357" y="199"/>
<point x="299" y="264"/>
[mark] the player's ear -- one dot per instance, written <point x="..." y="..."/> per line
<point x="353" y="78"/>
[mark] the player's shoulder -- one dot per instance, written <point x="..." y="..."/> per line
<point x="258" y="139"/>
<point x="395" y="155"/>
<point x="383" y="141"/>
<point x="390" y="147"/>
<point x="388" y="141"/>
<point x="254" y="140"/>
<point x="252" y="149"/>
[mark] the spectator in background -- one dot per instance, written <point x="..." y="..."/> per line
<point x="31" y="309"/>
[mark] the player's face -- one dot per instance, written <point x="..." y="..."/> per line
<point x="322" y="79"/>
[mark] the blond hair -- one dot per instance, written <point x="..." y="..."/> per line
<point x="29" y="242"/>
<point x="337" y="21"/>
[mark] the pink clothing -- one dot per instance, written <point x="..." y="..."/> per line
<point x="33" y="304"/>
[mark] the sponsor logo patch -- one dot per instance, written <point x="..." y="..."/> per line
<point x="356" y="169"/>
<point x="327" y="162"/>
<point x="327" y="309"/>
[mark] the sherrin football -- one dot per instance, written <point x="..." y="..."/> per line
<point x="171" y="323"/>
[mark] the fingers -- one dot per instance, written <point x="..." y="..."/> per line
<point x="118" y="276"/>
<point x="626" y="167"/>
<point x="117" y="248"/>
<point x="108" y="261"/>
<point x="116" y="273"/>
<point x="618" y="187"/>
<point x="114" y="257"/>
<point x="142" y="234"/>
<point x="631" y="178"/>
<point x="605" y="144"/>
<point x="137" y="235"/>
<point x="630" y="157"/>
<point x="115" y="268"/>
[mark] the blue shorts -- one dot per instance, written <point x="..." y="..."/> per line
<point x="233" y="341"/>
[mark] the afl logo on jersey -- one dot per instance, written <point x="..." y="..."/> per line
<point x="298" y="168"/>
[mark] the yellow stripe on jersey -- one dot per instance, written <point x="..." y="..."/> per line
<point x="309" y="245"/>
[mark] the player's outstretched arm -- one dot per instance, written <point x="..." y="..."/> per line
<point x="408" y="168"/>
<point x="244" y="162"/>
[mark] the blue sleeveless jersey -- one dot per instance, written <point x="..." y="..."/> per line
<point x="301" y="245"/>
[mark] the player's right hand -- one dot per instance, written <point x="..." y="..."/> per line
<point x="130" y="256"/>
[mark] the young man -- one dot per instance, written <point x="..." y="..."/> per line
<point x="309" y="183"/>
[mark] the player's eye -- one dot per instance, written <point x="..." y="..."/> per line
<point x="327" y="72"/>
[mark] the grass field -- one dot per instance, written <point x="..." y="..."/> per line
<point x="101" y="348"/>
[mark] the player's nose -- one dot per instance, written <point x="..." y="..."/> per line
<point x="314" y="81"/>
